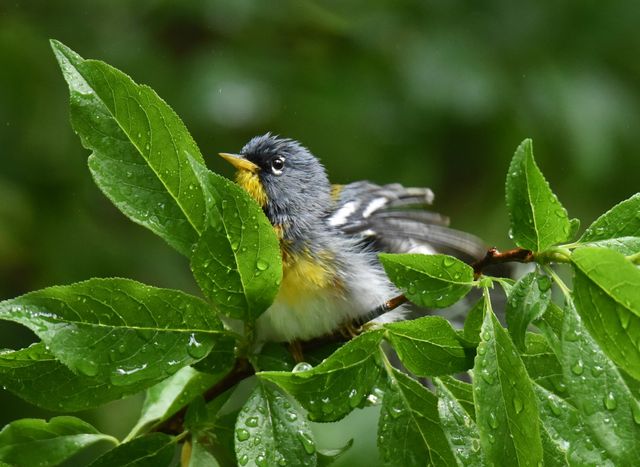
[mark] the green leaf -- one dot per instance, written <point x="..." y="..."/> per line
<point x="538" y="220"/>
<point x="428" y="346"/>
<point x="462" y="391"/>
<point x="599" y="392"/>
<point x="506" y="409"/>
<point x="118" y="330"/>
<point x="36" y="376"/>
<point x="153" y="450"/>
<point x="624" y="245"/>
<point x="527" y="301"/>
<point x="168" y="396"/>
<point x="459" y="428"/>
<point x="409" y="430"/>
<point x="37" y="442"/>
<point x="141" y="149"/>
<point x="237" y="260"/>
<point x="542" y="364"/>
<point x="327" y="457"/>
<point x="622" y="220"/>
<point x="200" y="455"/>
<point x="473" y="323"/>
<point x="275" y="356"/>
<point x="607" y="295"/>
<point x="271" y="430"/>
<point x="212" y="431"/>
<point x="550" y="323"/>
<point x="339" y="384"/>
<point x="435" y="281"/>
<point x="567" y="431"/>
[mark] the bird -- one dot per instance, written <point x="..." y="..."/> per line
<point x="330" y="236"/>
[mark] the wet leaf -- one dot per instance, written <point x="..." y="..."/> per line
<point x="435" y="281"/>
<point x="538" y="220"/>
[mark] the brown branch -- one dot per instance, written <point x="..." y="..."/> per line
<point x="241" y="370"/>
<point x="493" y="256"/>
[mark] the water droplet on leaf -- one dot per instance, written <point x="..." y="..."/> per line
<point x="242" y="434"/>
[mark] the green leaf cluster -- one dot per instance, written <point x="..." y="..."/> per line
<point x="558" y="385"/>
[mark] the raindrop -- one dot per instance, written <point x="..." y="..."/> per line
<point x="242" y="434"/>
<point x="610" y="401"/>
<point x="302" y="366"/>
<point x="578" y="368"/>
<point x="195" y="348"/>
<point x="554" y="406"/>
<point x="487" y="376"/>
<point x="571" y="335"/>
<point x="635" y="411"/>
<point x="448" y="261"/>
<point x="517" y="405"/>
<point x="243" y="459"/>
<point x="252" y="421"/>
<point x="87" y="367"/>
<point x="597" y="370"/>
<point x="544" y="283"/>
<point x="307" y="442"/>
<point x="493" y="421"/>
<point x="262" y="265"/>
<point x="625" y="317"/>
<point x="261" y="460"/>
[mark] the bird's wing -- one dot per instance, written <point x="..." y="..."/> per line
<point x="395" y="219"/>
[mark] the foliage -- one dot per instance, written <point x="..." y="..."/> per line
<point x="559" y="386"/>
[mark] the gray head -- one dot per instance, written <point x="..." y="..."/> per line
<point x="288" y="182"/>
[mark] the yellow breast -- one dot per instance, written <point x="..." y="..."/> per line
<point x="305" y="277"/>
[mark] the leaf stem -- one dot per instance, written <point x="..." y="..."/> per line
<point x="563" y="287"/>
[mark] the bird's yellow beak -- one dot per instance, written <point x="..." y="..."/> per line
<point x="239" y="162"/>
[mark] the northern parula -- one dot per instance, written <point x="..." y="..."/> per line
<point x="330" y="235"/>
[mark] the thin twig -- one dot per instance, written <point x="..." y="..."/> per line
<point x="493" y="256"/>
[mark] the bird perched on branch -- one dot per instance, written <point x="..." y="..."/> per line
<point x="330" y="235"/>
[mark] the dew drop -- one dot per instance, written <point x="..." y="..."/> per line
<point x="610" y="401"/>
<point x="571" y="335"/>
<point x="291" y="416"/>
<point x="487" y="376"/>
<point x="448" y="261"/>
<point x="578" y="368"/>
<point x="261" y="460"/>
<point x="262" y="265"/>
<point x="482" y="349"/>
<point x="475" y="445"/>
<point x="625" y="317"/>
<point x="517" y="405"/>
<point x="493" y="421"/>
<point x="635" y="411"/>
<point x="242" y="434"/>
<point x="195" y="348"/>
<point x="597" y="370"/>
<point x="87" y="367"/>
<point x="252" y="421"/>
<point x="307" y="442"/>
<point x="243" y="459"/>
<point x="554" y="406"/>
<point x="302" y="366"/>
<point x="544" y="283"/>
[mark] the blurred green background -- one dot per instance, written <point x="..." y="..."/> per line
<point x="426" y="93"/>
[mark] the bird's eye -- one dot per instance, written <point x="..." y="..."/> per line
<point x="277" y="165"/>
